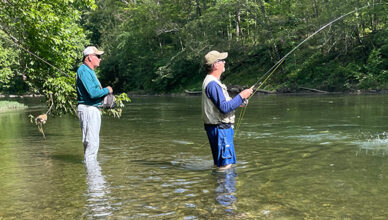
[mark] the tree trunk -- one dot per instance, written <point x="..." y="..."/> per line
<point x="328" y="11"/>
<point x="267" y="27"/>
<point x="238" y="20"/>
<point x="316" y="8"/>
<point x="199" y="13"/>
<point x="374" y="17"/>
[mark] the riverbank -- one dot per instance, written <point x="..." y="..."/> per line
<point x="233" y="90"/>
<point x="11" y="105"/>
<point x="19" y="96"/>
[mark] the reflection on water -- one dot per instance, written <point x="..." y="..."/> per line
<point x="225" y="191"/>
<point x="98" y="190"/>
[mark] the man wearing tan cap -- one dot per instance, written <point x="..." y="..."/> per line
<point x="218" y="111"/>
<point x="89" y="96"/>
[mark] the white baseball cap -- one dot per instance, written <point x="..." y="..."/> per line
<point x="92" y="50"/>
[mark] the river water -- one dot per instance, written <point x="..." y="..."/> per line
<point x="298" y="157"/>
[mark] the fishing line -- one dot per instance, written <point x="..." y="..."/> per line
<point x="242" y="112"/>
<point x="32" y="53"/>
<point x="277" y="64"/>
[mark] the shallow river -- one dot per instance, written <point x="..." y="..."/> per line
<point x="309" y="157"/>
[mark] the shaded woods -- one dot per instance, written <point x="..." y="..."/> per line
<point x="157" y="46"/>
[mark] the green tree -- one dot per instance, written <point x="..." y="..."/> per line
<point x="48" y="42"/>
<point x="9" y="62"/>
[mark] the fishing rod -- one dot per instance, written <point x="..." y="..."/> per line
<point x="260" y="82"/>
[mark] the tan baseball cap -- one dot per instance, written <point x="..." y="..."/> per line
<point x="92" y="50"/>
<point x="214" y="55"/>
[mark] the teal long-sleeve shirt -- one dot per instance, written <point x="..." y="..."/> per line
<point x="89" y="90"/>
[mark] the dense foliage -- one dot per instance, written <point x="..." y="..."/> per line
<point x="159" y="45"/>
<point x="156" y="45"/>
<point x="44" y="39"/>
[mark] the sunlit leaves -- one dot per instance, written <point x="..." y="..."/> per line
<point x="63" y="93"/>
<point x="51" y="30"/>
<point x="8" y="61"/>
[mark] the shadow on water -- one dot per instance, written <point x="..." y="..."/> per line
<point x="193" y="164"/>
<point x="68" y="158"/>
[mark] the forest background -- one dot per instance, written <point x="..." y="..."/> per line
<point x="158" y="46"/>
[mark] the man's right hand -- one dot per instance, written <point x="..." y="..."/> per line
<point x="110" y="89"/>
<point x="246" y="93"/>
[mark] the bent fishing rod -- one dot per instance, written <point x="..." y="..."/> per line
<point x="260" y="82"/>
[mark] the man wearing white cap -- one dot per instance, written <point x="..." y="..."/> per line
<point x="218" y="111"/>
<point x="89" y="96"/>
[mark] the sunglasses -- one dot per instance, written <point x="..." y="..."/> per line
<point x="98" y="56"/>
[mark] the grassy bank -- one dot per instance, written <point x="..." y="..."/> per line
<point x="11" y="105"/>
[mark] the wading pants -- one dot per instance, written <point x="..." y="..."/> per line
<point x="90" y="122"/>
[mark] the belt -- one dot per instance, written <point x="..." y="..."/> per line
<point x="98" y="107"/>
<point x="220" y="125"/>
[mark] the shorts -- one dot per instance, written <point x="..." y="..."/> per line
<point x="221" y="144"/>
